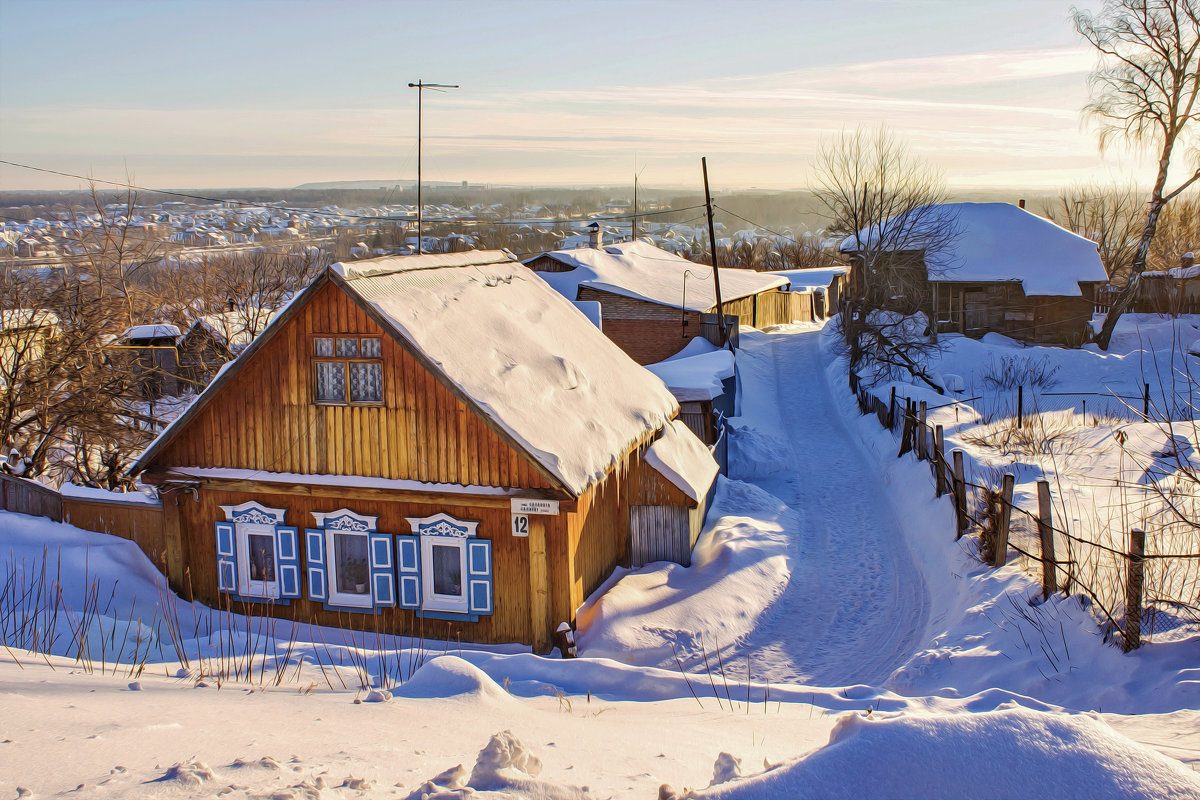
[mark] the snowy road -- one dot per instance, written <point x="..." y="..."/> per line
<point x="855" y="607"/>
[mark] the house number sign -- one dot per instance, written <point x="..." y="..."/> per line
<point x="520" y="524"/>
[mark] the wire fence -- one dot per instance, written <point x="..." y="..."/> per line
<point x="1136" y="584"/>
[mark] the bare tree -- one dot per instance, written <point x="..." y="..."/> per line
<point x="1111" y="216"/>
<point x="888" y="205"/>
<point x="1178" y="233"/>
<point x="1144" y="92"/>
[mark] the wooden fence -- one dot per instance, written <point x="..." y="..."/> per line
<point x="29" y="497"/>
<point x="781" y="308"/>
<point x="990" y="510"/>
<point x="138" y="521"/>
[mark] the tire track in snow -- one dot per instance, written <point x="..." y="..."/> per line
<point x="855" y="606"/>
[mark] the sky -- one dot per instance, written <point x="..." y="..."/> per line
<point x="252" y="93"/>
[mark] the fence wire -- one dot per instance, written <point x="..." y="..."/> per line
<point x="1098" y="570"/>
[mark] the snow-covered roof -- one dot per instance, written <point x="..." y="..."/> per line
<point x="683" y="459"/>
<point x="235" y="328"/>
<point x="525" y="356"/>
<point x="18" y="318"/>
<point x="696" y="371"/>
<point x="158" y="331"/>
<point x="1179" y="273"/>
<point x="990" y="242"/>
<point x="818" y="278"/>
<point x="645" y="272"/>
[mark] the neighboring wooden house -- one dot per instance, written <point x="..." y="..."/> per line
<point x="652" y="301"/>
<point x="441" y="440"/>
<point x="996" y="268"/>
<point x="24" y="336"/>
<point x="215" y="339"/>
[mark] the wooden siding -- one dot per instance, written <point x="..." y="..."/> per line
<point x="978" y="308"/>
<point x="511" y="621"/>
<point x="660" y="533"/>
<point x="140" y="523"/>
<point x="266" y="418"/>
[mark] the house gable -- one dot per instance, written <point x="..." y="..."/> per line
<point x="263" y="414"/>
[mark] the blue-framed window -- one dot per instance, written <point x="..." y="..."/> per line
<point x="258" y="557"/>
<point x="349" y="562"/>
<point x="444" y="569"/>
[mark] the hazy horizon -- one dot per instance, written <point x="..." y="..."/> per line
<point x="268" y="94"/>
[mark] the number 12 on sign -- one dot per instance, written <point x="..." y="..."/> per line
<point x="520" y="524"/>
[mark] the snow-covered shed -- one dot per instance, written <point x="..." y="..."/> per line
<point x="155" y="358"/>
<point x="652" y="301"/>
<point x="703" y="378"/>
<point x="991" y="267"/>
<point x="423" y="437"/>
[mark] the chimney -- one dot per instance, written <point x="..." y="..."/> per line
<point x="1188" y="260"/>
<point x="1021" y="203"/>
<point x="597" y="236"/>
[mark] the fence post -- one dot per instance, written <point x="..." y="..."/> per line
<point x="1046" y="533"/>
<point x="1133" y="590"/>
<point x="923" y="433"/>
<point x="1020" y="405"/>
<point x="1146" y="403"/>
<point x="1000" y="556"/>
<point x="960" y="495"/>
<point x="906" y="432"/>
<point x="892" y="410"/>
<point x="939" y="460"/>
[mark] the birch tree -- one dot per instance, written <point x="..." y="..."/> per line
<point x="1144" y="93"/>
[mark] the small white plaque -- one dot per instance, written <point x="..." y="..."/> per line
<point x="520" y="524"/>
<point x="527" y="506"/>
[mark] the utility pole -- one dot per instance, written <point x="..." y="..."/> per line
<point x="421" y="86"/>
<point x="712" y="248"/>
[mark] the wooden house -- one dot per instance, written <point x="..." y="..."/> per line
<point x="1173" y="291"/>
<point x="215" y="339"/>
<point x="993" y="268"/>
<point x="652" y="301"/>
<point x="435" y="445"/>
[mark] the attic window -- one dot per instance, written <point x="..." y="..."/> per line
<point x="347" y="369"/>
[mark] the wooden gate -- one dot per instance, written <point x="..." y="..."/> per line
<point x="660" y="533"/>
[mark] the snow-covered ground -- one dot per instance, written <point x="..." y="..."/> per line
<point x="853" y="649"/>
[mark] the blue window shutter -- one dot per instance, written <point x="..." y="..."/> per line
<point x="479" y="576"/>
<point x="383" y="577"/>
<point x="226" y="558"/>
<point x="408" y="567"/>
<point x="289" y="561"/>
<point x="314" y="542"/>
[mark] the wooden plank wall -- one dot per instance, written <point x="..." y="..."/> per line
<point x="781" y="308"/>
<point x="509" y="623"/>
<point x="265" y="417"/>
<point x="660" y="533"/>
<point x="138" y="522"/>
<point x="29" y="497"/>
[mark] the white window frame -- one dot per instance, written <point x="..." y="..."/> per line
<point x="452" y="534"/>
<point x="254" y="518"/>
<point x="346" y="522"/>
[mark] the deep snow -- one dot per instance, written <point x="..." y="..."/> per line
<point x="821" y="539"/>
